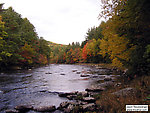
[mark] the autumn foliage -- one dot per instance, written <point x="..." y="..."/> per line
<point x="19" y="43"/>
<point x="122" y="40"/>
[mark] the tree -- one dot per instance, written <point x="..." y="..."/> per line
<point x="44" y="48"/>
<point x="116" y="47"/>
<point x="129" y="22"/>
<point x="90" y="52"/>
<point x="28" y="54"/>
<point x="5" y="50"/>
<point x="94" y="33"/>
<point x="1" y="8"/>
<point x="27" y="32"/>
<point x="19" y="42"/>
<point x="84" y="53"/>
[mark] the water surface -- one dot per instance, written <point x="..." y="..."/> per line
<point x="40" y="87"/>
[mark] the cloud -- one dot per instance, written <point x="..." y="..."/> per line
<point x="60" y="21"/>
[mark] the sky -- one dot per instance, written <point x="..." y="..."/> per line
<point x="59" y="21"/>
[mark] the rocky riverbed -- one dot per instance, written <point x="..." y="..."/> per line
<point x="55" y="88"/>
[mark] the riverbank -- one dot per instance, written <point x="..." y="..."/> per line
<point x="120" y="91"/>
<point x="113" y="96"/>
<point x="108" y="97"/>
<point x="109" y="93"/>
<point x="102" y="65"/>
<point x="125" y="92"/>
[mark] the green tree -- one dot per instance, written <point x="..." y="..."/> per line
<point x="94" y="33"/>
<point x="130" y="19"/>
<point x="20" y="45"/>
<point x="27" y="32"/>
<point x="44" y="48"/>
<point x="13" y="40"/>
<point x="4" y="51"/>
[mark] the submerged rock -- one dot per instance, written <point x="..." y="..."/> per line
<point x="48" y="73"/>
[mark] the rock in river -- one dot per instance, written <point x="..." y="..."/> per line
<point x="45" y="109"/>
<point x="12" y="111"/>
<point x="66" y="94"/>
<point x="89" y="107"/>
<point x="85" y="75"/>
<point x="64" y="105"/>
<point x="89" y="99"/>
<point x="95" y="89"/>
<point x="67" y="107"/>
<point x="63" y="94"/>
<point x="48" y="73"/>
<point x="71" y="97"/>
<point x="74" y="70"/>
<point x="24" y="108"/>
<point x="83" y="93"/>
<point x="78" y="72"/>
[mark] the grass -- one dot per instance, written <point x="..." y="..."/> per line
<point x="109" y="103"/>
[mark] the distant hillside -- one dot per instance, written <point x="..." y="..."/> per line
<point x="52" y="44"/>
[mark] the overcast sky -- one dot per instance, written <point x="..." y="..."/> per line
<point x="59" y="21"/>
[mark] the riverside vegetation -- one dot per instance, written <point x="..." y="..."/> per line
<point x="122" y="41"/>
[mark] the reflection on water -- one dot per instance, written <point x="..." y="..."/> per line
<point x="39" y="87"/>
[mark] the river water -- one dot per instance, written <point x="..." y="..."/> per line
<point x="40" y="86"/>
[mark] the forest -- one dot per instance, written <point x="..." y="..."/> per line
<point x="122" y="40"/>
<point x="19" y="42"/>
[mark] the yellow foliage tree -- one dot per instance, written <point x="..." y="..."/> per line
<point x="118" y="48"/>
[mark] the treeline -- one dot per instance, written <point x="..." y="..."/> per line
<point x="19" y="42"/>
<point x="65" y="53"/>
<point x="123" y="40"/>
<point x="87" y="52"/>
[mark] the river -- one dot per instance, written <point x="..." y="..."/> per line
<point x="40" y="86"/>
